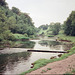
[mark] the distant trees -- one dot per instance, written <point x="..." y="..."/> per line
<point x="44" y="27"/>
<point x="52" y="29"/>
<point x="69" y="24"/>
<point x="55" y="28"/>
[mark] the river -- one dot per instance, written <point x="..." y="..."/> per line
<point x="18" y="60"/>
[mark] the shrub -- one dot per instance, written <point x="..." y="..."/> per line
<point x="25" y="35"/>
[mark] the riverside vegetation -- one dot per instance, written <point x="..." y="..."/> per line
<point x="14" y="25"/>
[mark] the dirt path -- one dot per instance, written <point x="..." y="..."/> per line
<point x="58" y="67"/>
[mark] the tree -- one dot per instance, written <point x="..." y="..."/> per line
<point x="3" y="25"/>
<point x="69" y="24"/>
<point x="44" y="27"/>
<point x="15" y="10"/>
<point x="3" y="3"/>
<point x="55" y="27"/>
<point x="11" y="24"/>
<point x="14" y="21"/>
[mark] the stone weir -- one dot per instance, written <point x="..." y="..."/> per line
<point x="47" y="51"/>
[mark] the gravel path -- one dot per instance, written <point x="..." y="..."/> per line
<point x="58" y="67"/>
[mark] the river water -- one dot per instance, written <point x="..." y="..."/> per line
<point x="18" y="60"/>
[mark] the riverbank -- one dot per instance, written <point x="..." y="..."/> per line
<point x="42" y="62"/>
<point x="11" y="42"/>
<point x="66" y="66"/>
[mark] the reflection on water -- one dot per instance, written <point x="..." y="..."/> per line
<point x="26" y="44"/>
<point x="9" y="61"/>
<point x="55" y="45"/>
<point x="18" y="60"/>
<point x="52" y="45"/>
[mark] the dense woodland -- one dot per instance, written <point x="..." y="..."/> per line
<point x="13" y="21"/>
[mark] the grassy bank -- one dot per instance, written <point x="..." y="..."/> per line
<point x="42" y="62"/>
<point x="64" y="37"/>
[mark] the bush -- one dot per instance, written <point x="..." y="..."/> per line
<point x="11" y="37"/>
<point x="25" y="35"/>
<point x="32" y="36"/>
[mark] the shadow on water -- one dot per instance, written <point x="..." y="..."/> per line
<point x="5" y="59"/>
<point x="49" y="43"/>
<point x="26" y="44"/>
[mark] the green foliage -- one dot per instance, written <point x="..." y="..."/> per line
<point x="3" y="3"/>
<point x="55" y="28"/>
<point x="25" y="35"/>
<point x="44" y="27"/>
<point x="43" y="71"/>
<point x="1" y="39"/>
<point x="15" y="10"/>
<point x="69" y="24"/>
<point x="52" y="29"/>
<point x="14" y="21"/>
<point x="48" y="68"/>
<point x="20" y="37"/>
<point x="68" y="74"/>
<point x="73" y="71"/>
<point x="64" y="37"/>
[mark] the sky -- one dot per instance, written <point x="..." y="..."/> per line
<point x="44" y="11"/>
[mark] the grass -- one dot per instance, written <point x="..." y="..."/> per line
<point x="70" y="73"/>
<point x="43" y="71"/>
<point x="64" y="37"/>
<point x="48" y="68"/>
<point x="73" y="71"/>
<point x="42" y="62"/>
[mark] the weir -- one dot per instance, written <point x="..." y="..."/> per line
<point x="47" y="51"/>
